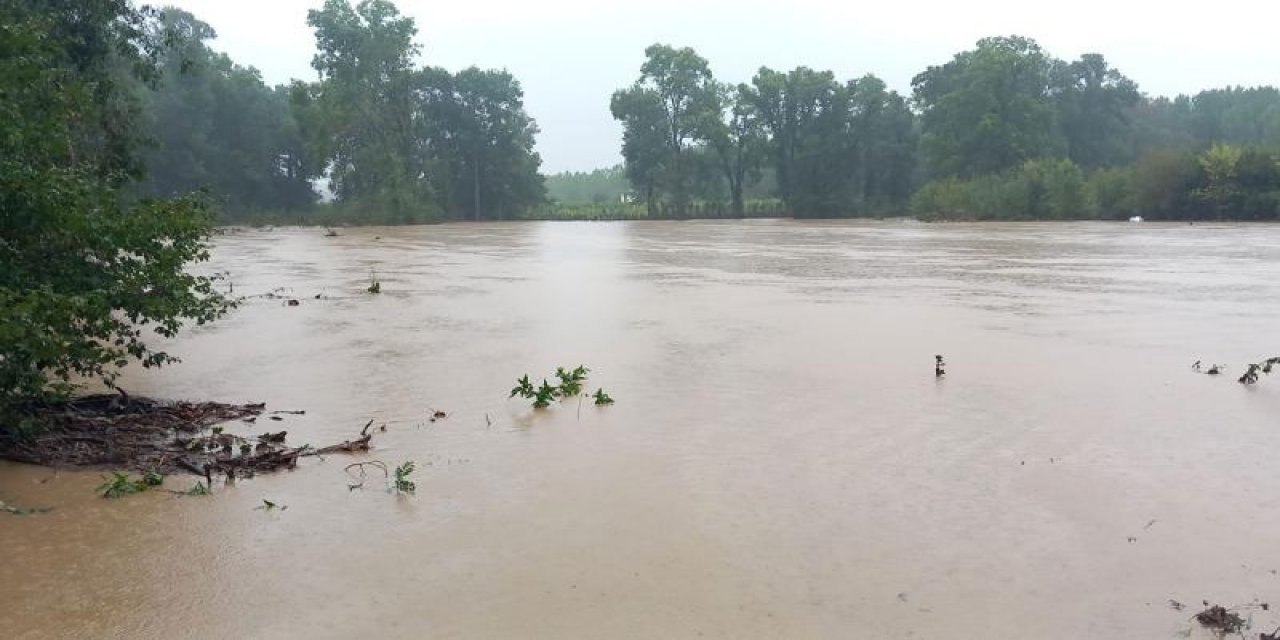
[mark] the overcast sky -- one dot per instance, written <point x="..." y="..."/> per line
<point x="570" y="55"/>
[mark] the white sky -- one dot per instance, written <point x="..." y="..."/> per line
<point x="570" y="55"/>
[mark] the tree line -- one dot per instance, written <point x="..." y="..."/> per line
<point x="829" y="145"/>
<point x="393" y="141"/>
<point x="88" y="271"/>
<point x="1003" y="130"/>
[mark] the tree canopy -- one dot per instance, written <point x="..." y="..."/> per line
<point x="85" y="272"/>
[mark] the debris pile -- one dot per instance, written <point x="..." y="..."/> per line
<point x="122" y="431"/>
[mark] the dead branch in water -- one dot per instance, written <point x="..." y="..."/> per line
<point x="128" y="432"/>
<point x="360" y="466"/>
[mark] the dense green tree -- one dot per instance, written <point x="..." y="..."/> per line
<point x="365" y="56"/>
<point x="481" y="141"/>
<point x="836" y="149"/>
<point x="406" y="144"/>
<point x="988" y="109"/>
<point x="883" y="128"/>
<point x="84" y="273"/>
<point x="737" y="141"/>
<point x="669" y="111"/>
<point x="644" y="141"/>
<point x="215" y="125"/>
<point x="1162" y="123"/>
<point x="787" y="106"/>
<point x="1092" y="102"/>
<point x="1163" y="184"/>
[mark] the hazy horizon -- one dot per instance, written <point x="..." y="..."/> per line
<point x="570" y="55"/>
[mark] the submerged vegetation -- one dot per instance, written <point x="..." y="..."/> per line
<point x="602" y="398"/>
<point x="571" y="382"/>
<point x="401" y="483"/>
<point x="120" y="484"/>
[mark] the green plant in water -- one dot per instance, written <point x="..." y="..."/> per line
<point x="268" y="505"/>
<point x="402" y="483"/>
<point x="523" y="388"/>
<point x="571" y="381"/>
<point x="20" y="511"/>
<point x="374" y="285"/>
<point x="545" y="395"/>
<point x="153" y="478"/>
<point x="119" y="484"/>
<point x="198" y="489"/>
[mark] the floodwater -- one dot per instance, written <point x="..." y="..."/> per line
<point x="781" y="461"/>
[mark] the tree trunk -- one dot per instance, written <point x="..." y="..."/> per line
<point x="475" y="184"/>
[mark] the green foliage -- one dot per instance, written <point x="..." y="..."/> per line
<point x="599" y="187"/>
<point x="545" y="395"/>
<point x="571" y="382"/>
<point x="1224" y="182"/>
<point x="153" y="479"/>
<point x="834" y="149"/>
<point x="665" y="115"/>
<point x="119" y="484"/>
<point x="401" y="482"/>
<point x="1038" y="189"/>
<point x="987" y="110"/>
<point x="84" y="274"/>
<point x="602" y="398"/>
<point x="524" y="388"/>
<point x="1162" y="183"/>
<point x="404" y="144"/>
<point x="1092" y="105"/>
<point x="374" y="285"/>
<point x="198" y="489"/>
<point x="215" y="125"/>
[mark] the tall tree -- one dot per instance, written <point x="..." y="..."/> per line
<point x="1092" y="102"/>
<point x="365" y="56"/>
<point x="83" y="273"/>
<point x="737" y="141"/>
<point x="644" y="148"/>
<point x="988" y="109"/>
<point x="885" y="141"/>
<point x="670" y="109"/>
<point x="215" y="125"/>
<point x="482" y="136"/>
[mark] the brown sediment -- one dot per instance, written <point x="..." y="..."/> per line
<point x="144" y="434"/>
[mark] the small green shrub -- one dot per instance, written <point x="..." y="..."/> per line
<point x="198" y="489"/>
<point x="402" y="483"/>
<point x="119" y="484"/>
<point x="571" y="384"/>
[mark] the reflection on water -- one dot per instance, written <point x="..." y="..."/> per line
<point x="781" y="461"/>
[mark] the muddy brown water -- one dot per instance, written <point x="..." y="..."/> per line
<point x="781" y="461"/>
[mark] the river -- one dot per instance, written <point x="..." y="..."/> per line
<point x="781" y="461"/>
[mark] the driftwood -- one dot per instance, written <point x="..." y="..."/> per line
<point x="125" y="432"/>
<point x="350" y="446"/>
